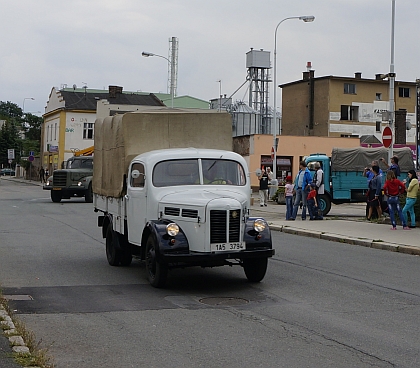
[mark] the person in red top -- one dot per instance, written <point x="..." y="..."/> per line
<point x="393" y="188"/>
<point x="312" y="203"/>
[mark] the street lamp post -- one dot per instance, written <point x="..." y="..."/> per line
<point x="23" y="104"/>
<point x="147" y="54"/>
<point x="391" y="86"/>
<point x="305" y="18"/>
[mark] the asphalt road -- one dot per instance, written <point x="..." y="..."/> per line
<point x="322" y="304"/>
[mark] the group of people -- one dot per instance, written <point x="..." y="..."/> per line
<point x="392" y="188"/>
<point x="43" y="175"/>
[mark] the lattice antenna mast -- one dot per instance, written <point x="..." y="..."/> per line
<point x="173" y="66"/>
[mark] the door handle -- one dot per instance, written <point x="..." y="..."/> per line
<point x="127" y="197"/>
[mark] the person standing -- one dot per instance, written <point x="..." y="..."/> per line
<point x="369" y="173"/>
<point x="42" y="174"/>
<point x="312" y="203"/>
<point x="302" y="183"/>
<point x="319" y="184"/>
<point x="412" y="190"/>
<point x="288" y="195"/>
<point x="394" y="165"/>
<point x="393" y="188"/>
<point x="374" y="194"/>
<point x="263" y="178"/>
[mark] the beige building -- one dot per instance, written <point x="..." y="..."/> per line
<point x="256" y="149"/>
<point x="333" y="106"/>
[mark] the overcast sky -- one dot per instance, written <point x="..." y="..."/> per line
<point x="48" y="43"/>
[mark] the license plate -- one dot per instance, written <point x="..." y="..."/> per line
<point x="227" y="247"/>
<point x="56" y="188"/>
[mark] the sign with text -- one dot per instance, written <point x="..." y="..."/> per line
<point x="11" y="154"/>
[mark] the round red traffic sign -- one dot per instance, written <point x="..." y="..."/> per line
<point x="387" y="137"/>
<point x="272" y="153"/>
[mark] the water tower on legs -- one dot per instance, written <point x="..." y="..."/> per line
<point x="258" y="66"/>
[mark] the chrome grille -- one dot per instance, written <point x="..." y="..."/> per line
<point x="224" y="224"/>
<point x="60" y="179"/>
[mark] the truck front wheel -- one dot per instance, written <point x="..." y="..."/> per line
<point x="89" y="194"/>
<point x="156" y="271"/>
<point x="255" y="268"/>
<point x="55" y="196"/>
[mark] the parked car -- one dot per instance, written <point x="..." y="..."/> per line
<point x="4" y="172"/>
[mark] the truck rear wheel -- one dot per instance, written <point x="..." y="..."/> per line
<point x="89" y="194"/>
<point x="255" y="268"/>
<point x="55" y="196"/>
<point x="113" y="254"/>
<point x="156" y="271"/>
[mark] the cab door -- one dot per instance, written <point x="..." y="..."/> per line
<point x="136" y="202"/>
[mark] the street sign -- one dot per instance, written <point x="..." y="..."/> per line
<point x="31" y="153"/>
<point x="272" y="153"/>
<point x="31" y="158"/>
<point x="387" y="137"/>
<point x="11" y="154"/>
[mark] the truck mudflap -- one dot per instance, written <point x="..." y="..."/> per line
<point x="176" y="249"/>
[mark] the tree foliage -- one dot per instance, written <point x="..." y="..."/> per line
<point x="21" y="132"/>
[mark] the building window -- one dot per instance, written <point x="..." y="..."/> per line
<point x="378" y="126"/>
<point x="88" y="131"/>
<point x="404" y="92"/>
<point x="55" y="131"/>
<point x="51" y="132"/>
<point x="349" y="113"/>
<point x="349" y="88"/>
<point x="378" y="96"/>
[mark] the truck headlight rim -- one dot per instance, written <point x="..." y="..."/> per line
<point x="172" y="229"/>
<point x="259" y="225"/>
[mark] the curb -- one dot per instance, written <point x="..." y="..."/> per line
<point x="363" y="242"/>
<point x="17" y="343"/>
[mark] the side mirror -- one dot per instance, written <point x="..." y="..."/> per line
<point x="135" y="174"/>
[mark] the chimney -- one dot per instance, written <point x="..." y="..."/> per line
<point x="114" y="91"/>
<point x="358" y="75"/>
<point x="311" y="74"/>
<point x="305" y="76"/>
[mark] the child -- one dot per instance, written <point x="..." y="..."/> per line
<point x="288" y="193"/>
<point x="312" y="203"/>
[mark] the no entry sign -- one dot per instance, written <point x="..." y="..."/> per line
<point x="387" y="137"/>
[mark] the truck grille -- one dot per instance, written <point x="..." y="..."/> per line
<point x="224" y="224"/>
<point x="59" y="179"/>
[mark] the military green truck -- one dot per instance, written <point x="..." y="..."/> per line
<point x="75" y="180"/>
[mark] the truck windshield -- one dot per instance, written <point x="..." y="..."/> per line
<point x="80" y="164"/>
<point x="186" y="172"/>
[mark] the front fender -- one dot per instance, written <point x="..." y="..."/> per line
<point x="167" y="244"/>
<point x="254" y="239"/>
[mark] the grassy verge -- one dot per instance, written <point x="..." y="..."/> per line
<point x="38" y="355"/>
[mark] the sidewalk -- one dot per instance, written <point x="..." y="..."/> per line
<point x="346" y="223"/>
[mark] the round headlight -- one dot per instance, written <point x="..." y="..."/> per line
<point x="259" y="225"/>
<point x="172" y="229"/>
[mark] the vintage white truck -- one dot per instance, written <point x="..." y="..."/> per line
<point x="172" y="205"/>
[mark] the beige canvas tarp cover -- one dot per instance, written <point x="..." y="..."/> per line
<point x="120" y="138"/>
<point x="356" y="159"/>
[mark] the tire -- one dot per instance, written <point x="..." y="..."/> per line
<point x="325" y="203"/>
<point x="156" y="271"/>
<point x="56" y="196"/>
<point x="113" y="254"/>
<point x="126" y="258"/>
<point x="255" y="268"/>
<point x="89" y="194"/>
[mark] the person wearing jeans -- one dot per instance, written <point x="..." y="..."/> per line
<point x="393" y="188"/>
<point x="412" y="190"/>
<point x="302" y="183"/>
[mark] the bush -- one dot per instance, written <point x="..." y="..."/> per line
<point x="276" y="195"/>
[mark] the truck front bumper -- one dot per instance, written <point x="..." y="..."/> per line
<point x="197" y="258"/>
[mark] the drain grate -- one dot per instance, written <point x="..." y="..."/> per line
<point x="224" y="301"/>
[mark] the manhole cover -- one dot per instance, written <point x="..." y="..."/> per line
<point x="224" y="301"/>
<point x="18" y="297"/>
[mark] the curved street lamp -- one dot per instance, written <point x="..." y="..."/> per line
<point x="306" y="19"/>
<point x="147" y="54"/>
<point x="23" y="104"/>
